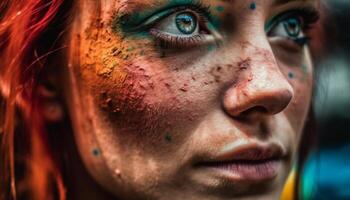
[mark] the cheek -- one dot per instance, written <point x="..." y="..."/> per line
<point x="130" y="85"/>
<point x="298" y="108"/>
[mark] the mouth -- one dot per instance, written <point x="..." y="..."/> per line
<point x="248" y="163"/>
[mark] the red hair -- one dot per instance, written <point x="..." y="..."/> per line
<point x="23" y="54"/>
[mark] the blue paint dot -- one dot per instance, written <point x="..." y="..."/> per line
<point x="252" y="6"/>
<point x="211" y="47"/>
<point x="96" y="152"/>
<point x="168" y="137"/>
<point x="290" y="75"/>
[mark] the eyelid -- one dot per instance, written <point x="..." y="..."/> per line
<point x="154" y="18"/>
<point x="309" y="15"/>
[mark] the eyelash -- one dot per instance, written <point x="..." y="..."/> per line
<point x="171" y="41"/>
<point x="168" y="41"/>
<point x="308" y="16"/>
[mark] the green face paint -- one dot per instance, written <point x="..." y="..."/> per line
<point x="305" y="70"/>
<point x="220" y="8"/>
<point x="291" y="75"/>
<point x="252" y="6"/>
<point x="137" y="22"/>
<point x="271" y="23"/>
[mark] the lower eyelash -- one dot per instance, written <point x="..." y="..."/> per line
<point x="302" y="41"/>
<point x="168" y="41"/>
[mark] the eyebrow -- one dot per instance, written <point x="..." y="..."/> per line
<point x="277" y="2"/>
<point x="280" y="2"/>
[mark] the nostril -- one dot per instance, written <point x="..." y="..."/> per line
<point x="255" y="109"/>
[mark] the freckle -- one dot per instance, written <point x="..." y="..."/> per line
<point x="250" y="77"/>
<point x="142" y="69"/>
<point x="183" y="89"/>
<point x="218" y="69"/>
<point x="252" y="6"/>
<point x="167" y="85"/>
<point x="193" y="78"/>
<point x="96" y="152"/>
<point x="244" y="64"/>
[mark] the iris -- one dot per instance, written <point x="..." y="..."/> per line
<point x="186" y="23"/>
<point x="292" y="27"/>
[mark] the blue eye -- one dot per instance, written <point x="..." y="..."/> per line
<point x="293" y="27"/>
<point x="184" y="28"/>
<point x="186" y="23"/>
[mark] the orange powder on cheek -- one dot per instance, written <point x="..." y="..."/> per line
<point x="123" y="84"/>
<point x="103" y="60"/>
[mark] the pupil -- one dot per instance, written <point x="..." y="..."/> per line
<point x="186" y="23"/>
<point x="292" y="27"/>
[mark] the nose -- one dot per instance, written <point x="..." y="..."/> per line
<point x="263" y="90"/>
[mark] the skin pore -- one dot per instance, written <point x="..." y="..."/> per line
<point x="149" y="108"/>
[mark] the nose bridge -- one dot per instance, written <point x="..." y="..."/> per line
<point x="264" y="73"/>
<point x="264" y="88"/>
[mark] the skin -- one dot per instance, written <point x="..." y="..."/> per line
<point x="142" y="117"/>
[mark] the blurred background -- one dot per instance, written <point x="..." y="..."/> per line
<point x="327" y="173"/>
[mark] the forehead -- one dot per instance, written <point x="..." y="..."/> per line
<point x="104" y="9"/>
<point x="138" y="5"/>
<point x="234" y="2"/>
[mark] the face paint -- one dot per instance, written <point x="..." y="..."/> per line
<point x="96" y="152"/>
<point x="168" y="137"/>
<point x="161" y="114"/>
<point x="252" y="6"/>
<point x="291" y="75"/>
<point x="135" y="23"/>
<point x="220" y="8"/>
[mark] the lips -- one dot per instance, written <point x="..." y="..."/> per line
<point x="249" y="163"/>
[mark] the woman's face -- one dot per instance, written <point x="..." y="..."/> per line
<point x="183" y="99"/>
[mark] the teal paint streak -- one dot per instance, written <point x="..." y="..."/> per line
<point x="270" y="24"/>
<point x="220" y="8"/>
<point x="135" y="19"/>
<point x="129" y="23"/>
<point x="305" y="70"/>
<point x="211" y="47"/>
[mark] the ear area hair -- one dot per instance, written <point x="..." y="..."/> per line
<point x="51" y="102"/>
